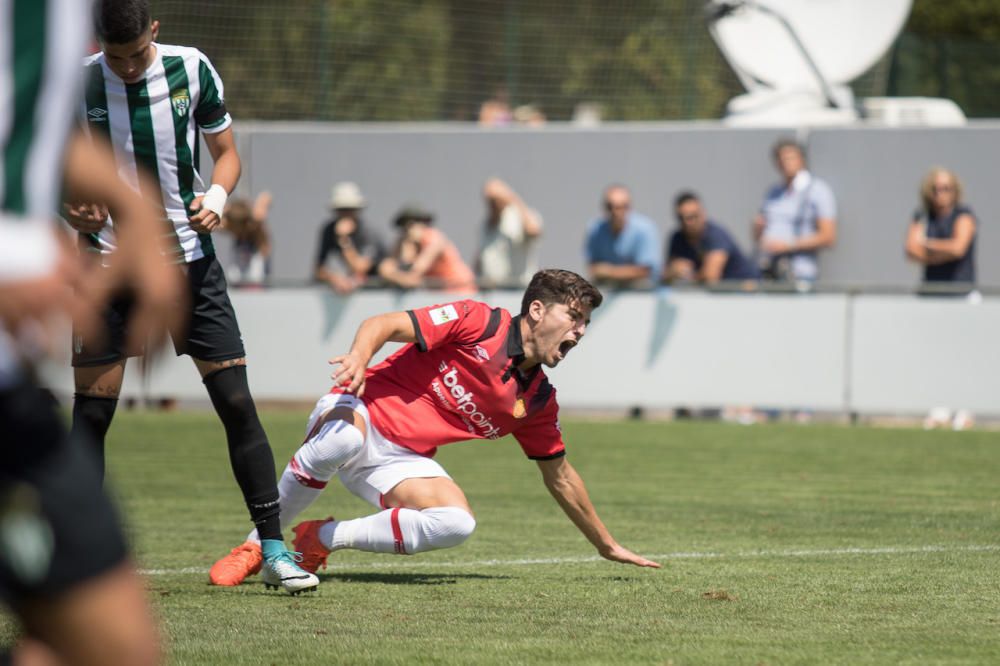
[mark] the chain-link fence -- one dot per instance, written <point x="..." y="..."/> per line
<point x="964" y="70"/>
<point x="361" y="60"/>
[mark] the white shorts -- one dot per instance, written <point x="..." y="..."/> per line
<point x="381" y="464"/>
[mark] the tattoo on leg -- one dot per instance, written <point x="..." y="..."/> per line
<point x="98" y="391"/>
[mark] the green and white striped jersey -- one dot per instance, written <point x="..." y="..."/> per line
<point x="155" y="123"/>
<point x="38" y="90"/>
<point x="41" y="42"/>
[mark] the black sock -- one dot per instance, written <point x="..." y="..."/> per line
<point x="249" y="452"/>
<point x="91" y="419"/>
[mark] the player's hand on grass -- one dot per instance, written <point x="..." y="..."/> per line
<point x="351" y="374"/>
<point x="204" y="221"/>
<point x="619" y="554"/>
<point x="86" y="217"/>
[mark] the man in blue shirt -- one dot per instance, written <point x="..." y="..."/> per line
<point x="703" y="250"/>
<point x="623" y="246"/>
<point x="797" y="220"/>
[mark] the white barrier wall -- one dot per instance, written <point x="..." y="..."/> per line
<point x="870" y="354"/>
<point x="912" y="353"/>
<point x="695" y="349"/>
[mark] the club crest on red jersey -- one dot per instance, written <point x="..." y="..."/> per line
<point x="520" y="410"/>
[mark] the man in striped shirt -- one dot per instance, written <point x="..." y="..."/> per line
<point x="152" y="101"/>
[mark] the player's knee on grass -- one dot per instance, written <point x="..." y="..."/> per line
<point x="323" y="454"/>
<point x="443" y="527"/>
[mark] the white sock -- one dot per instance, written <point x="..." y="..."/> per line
<point x="402" y="531"/>
<point x="312" y="467"/>
<point x="295" y="498"/>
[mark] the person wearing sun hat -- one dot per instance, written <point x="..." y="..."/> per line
<point x="348" y="252"/>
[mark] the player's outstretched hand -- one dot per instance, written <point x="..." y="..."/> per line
<point x="86" y="217"/>
<point x="351" y="374"/>
<point x="204" y="221"/>
<point x="626" y="556"/>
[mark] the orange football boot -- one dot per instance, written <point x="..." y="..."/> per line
<point x="242" y="561"/>
<point x="307" y="542"/>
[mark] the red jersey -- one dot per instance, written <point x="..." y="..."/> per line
<point x="460" y="381"/>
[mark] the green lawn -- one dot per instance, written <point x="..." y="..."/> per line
<point x="781" y="544"/>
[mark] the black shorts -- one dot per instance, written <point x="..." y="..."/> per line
<point x="57" y="527"/>
<point x="211" y="332"/>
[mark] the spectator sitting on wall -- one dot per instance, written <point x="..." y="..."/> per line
<point x="251" y="262"/>
<point x="424" y="257"/>
<point x="701" y="250"/>
<point x="622" y="247"/>
<point x="942" y="235"/>
<point x="798" y="218"/>
<point x="348" y="252"/>
<point x="508" y="253"/>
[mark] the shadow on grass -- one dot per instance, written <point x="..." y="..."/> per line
<point x="406" y="578"/>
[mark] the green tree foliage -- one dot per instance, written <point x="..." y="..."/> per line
<point x="950" y="49"/>
<point x="977" y="19"/>
<point x="320" y="59"/>
<point x="440" y="59"/>
<point x="354" y="60"/>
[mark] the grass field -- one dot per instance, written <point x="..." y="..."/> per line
<point x="780" y="544"/>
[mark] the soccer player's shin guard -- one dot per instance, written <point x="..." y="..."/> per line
<point x="249" y="452"/>
<point x="91" y="419"/>
<point x="401" y="531"/>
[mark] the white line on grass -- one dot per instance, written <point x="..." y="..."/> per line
<point x="406" y="564"/>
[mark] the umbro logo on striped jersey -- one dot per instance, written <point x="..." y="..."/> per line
<point x="98" y="115"/>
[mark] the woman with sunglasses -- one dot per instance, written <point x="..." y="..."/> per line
<point x="942" y="235"/>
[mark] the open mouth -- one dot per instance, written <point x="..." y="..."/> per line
<point x="566" y="346"/>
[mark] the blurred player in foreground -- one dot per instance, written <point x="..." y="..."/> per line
<point x="468" y="371"/>
<point x="151" y="101"/>
<point x="64" y="568"/>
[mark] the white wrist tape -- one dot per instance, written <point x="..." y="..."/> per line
<point x="215" y="199"/>
<point x="28" y="250"/>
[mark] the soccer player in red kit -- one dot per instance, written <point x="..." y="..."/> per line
<point x="469" y="371"/>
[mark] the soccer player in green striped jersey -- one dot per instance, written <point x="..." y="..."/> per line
<point x="152" y="101"/>
<point x="64" y="567"/>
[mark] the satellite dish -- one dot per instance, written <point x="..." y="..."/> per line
<point x="844" y="38"/>
<point x="797" y="57"/>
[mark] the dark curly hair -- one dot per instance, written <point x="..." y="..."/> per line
<point x="552" y="285"/>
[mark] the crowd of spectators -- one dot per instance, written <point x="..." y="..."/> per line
<point x="622" y="248"/>
<point x="796" y="221"/>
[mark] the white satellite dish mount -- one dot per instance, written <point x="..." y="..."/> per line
<point x="796" y="59"/>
